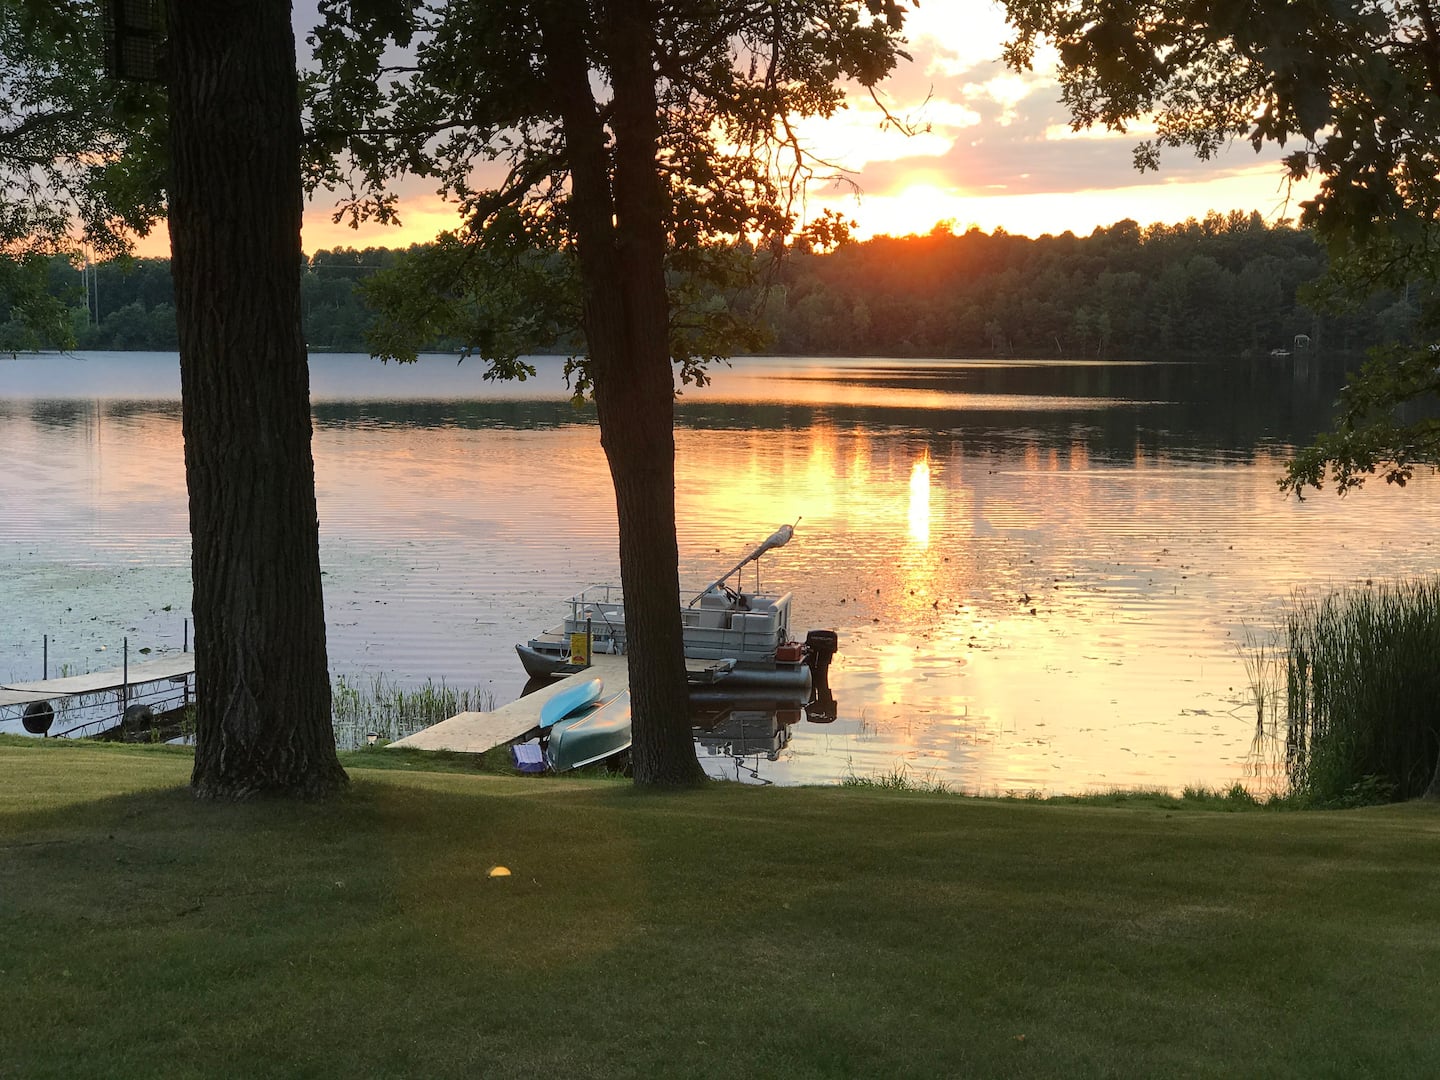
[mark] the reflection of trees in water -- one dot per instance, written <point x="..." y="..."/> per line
<point x="74" y="412"/>
<point x="1160" y="409"/>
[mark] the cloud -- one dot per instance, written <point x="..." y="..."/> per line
<point x="953" y="35"/>
<point x="999" y="151"/>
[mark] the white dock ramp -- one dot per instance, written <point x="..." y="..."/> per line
<point x="476" y="732"/>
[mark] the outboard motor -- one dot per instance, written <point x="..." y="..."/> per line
<point x="820" y="648"/>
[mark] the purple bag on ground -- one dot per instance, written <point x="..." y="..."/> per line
<point x="527" y="757"/>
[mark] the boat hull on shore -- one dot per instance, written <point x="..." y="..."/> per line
<point x="590" y="736"/>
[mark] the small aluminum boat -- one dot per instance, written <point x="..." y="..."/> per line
<point x="591" y="735"/>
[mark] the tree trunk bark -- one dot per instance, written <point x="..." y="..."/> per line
<point x="636" y="409"/>
<point x="262" y="685"/>
<point x="621" y="240"/>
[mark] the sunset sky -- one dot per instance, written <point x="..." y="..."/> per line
<point x="999" y="152"/>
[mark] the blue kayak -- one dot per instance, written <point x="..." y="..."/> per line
<point x="570" y="700"/>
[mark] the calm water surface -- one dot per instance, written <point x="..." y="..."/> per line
<point x="1043" y="575"/>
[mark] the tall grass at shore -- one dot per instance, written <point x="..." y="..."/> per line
<point x="1264" y="660"/>
<point x="379" y="707"/>
<point x="1363" y="683"/>
<point x="1264" y="655"/>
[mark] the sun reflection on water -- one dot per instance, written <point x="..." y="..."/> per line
<point x="920" y="500"/>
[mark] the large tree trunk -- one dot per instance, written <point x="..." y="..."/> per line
<point x="262" y="687"/>
<point x="636" y="409"/>
<point x="621" y="240"/>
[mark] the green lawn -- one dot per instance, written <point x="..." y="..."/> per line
<point x="727" y="932"/>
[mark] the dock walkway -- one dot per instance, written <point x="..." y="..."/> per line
<point x="176" y="667"/>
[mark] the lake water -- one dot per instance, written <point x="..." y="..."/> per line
<point x="1043" y="575"/>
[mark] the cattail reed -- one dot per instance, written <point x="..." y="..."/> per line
<point x="392" y="712"/>
<point x="1363" y="692"/>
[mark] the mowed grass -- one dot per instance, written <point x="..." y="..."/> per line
<point x="726" y="932"/>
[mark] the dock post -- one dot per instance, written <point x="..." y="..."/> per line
<point x="124" y="677"/>
<point x="185" y="647"/>
<point x="45" y="658"/>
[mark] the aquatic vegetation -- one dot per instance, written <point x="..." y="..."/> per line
<point x="391" y="712"/>
<point x="1191" y="797"/>
<point x="1236" y="797"/>
<point x="1362" y="680"/>
<point x="1264" y="655"/>
<point x="898" y="778"/>
<point x="1264" y="661"/>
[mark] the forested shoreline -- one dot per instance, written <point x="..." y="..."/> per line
<point x="1224" y="286"/>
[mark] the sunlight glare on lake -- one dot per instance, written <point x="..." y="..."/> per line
<point x="920" y="500"/>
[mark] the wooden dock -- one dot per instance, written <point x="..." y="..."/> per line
<point x="175" y="667"/>
<point x="476" y="732"/>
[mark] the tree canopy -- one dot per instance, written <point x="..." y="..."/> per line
<point x="77" y="148"/>
<point x="80" y="162"/>
<point x="1352" y="91"/>
<point x="473" y="100"/>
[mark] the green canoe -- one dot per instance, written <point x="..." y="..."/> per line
<point x="590" y="736"/>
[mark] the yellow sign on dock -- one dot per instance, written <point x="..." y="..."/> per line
<point x="580" y="649"/>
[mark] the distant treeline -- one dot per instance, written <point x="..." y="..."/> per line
<point x="1228" y="285"/>
<point x="1224" y="286"/>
